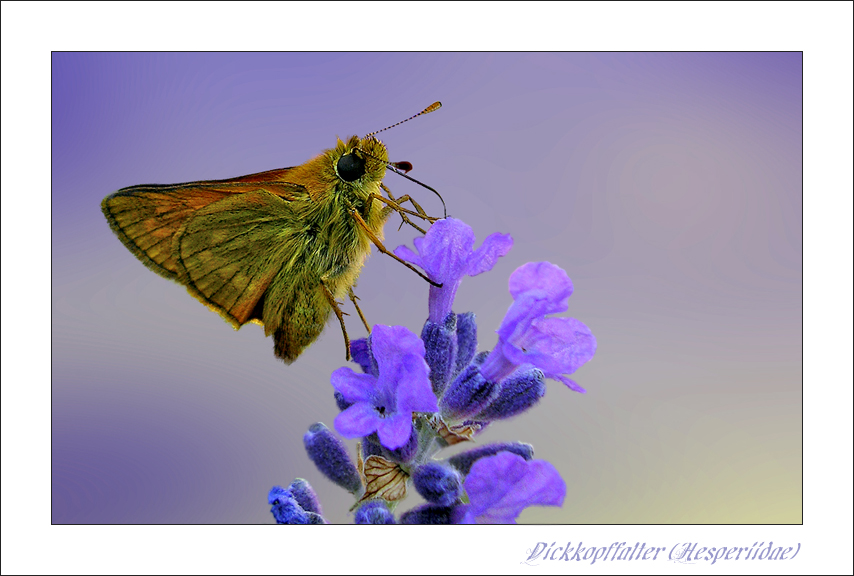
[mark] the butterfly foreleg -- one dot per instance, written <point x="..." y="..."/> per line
<point x="393" y="204"/>
<point x="378" y="243"/>
<point x="406" y="198"/>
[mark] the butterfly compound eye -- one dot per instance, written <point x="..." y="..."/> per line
<point x="351" y="167"/>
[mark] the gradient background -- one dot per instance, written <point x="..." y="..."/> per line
<point x="667" y="185"/>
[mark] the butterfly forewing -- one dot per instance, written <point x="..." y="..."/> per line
<point x="225" y="240"/>
<point x="147" y="217"/>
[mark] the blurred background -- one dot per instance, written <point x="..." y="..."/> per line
<point x="667" y="185"/>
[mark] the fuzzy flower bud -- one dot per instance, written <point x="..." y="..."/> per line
<point x="285" y="508"/>
<point x="437" y="484"/>
<point x="440" y="343"/>
<point x="305" y="495"/>
<point x="361" y="353"/>
<point x="466" y="340"/>
<point x="330" y="456"/>
<point x="469" y="393"/>
<point x="517" y="394"/>
<point x="465" y="460"/>
<point x="374" y="512"/>
<point x="428" y="514"/>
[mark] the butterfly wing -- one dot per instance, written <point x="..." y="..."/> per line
<point x="147" y="217"/>
<point x="245" y="257"/>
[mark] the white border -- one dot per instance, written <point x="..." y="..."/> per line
<point x="31" y="30"/>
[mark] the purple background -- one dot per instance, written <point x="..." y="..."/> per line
<point x="667" y="185"/>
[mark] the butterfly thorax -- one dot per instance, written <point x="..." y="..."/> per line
<point x="335" y="244"/>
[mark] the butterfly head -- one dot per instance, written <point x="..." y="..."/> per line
<point x="360" y="160"/>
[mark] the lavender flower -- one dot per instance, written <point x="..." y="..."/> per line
<point x="417" y="396"/>
<point x="499" y="487"/>
<point x="557" y="346"/>
<point x="446" y="253"/>
<point x="384" y="403"/>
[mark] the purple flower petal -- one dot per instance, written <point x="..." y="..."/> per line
<point x="394" y="431"/>
<point x="390" y="343"/>
<point x="446" y="249"/>
<point x="501" y="486"/>
<point x="384" y="404"/>
<point x="358" y="420"/>
<point x="446" y="253"/>
<point x="354" y="387"/>
<point x="542" y="276"/>
<point x="484" y="258"/>
<point x="404" y="253"/>
<point x="571" y="384"/>
<point x="554" y="345"/>
<point x="417" y="395"/>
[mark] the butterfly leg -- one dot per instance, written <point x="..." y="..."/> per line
<point x="339" y="314"/>
<point x="353" y="299"/>
<point x="384" y="250"/>
<point x="406" y="198"/>
<point x="395" y="206"/>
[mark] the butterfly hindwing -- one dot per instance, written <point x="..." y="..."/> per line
<point x="228" y="253"/>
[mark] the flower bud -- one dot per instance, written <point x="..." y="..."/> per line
<point x="371" y="446"/>
<point x="440" y="345"/>
<point x="285" y="508"/>
<point x="466" y="340"/>
<point x="406" y="452"/>
<point x="437" y="484"/>
<point x="374" y="512"/>
<point x="467" y="395"/>
<point x="517" y="394"/>
<point x="305" y="496"/>
<point x="361" y="353"/>
<point x="464" y="461"/>
<point x="330" y="456"/>
<point x="428" y="514"/>
<point x="342" y="402"/>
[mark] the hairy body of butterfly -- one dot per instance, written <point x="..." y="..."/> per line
<point x="275" y="248"/>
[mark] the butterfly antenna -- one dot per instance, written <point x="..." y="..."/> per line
<point x="431" y="108"/>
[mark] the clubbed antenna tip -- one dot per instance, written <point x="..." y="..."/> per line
<point x="431" y="108"/>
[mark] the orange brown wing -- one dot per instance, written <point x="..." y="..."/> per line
<point x="147" y="217"/>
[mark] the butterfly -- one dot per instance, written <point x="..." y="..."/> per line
<point x="276" y="248"/>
